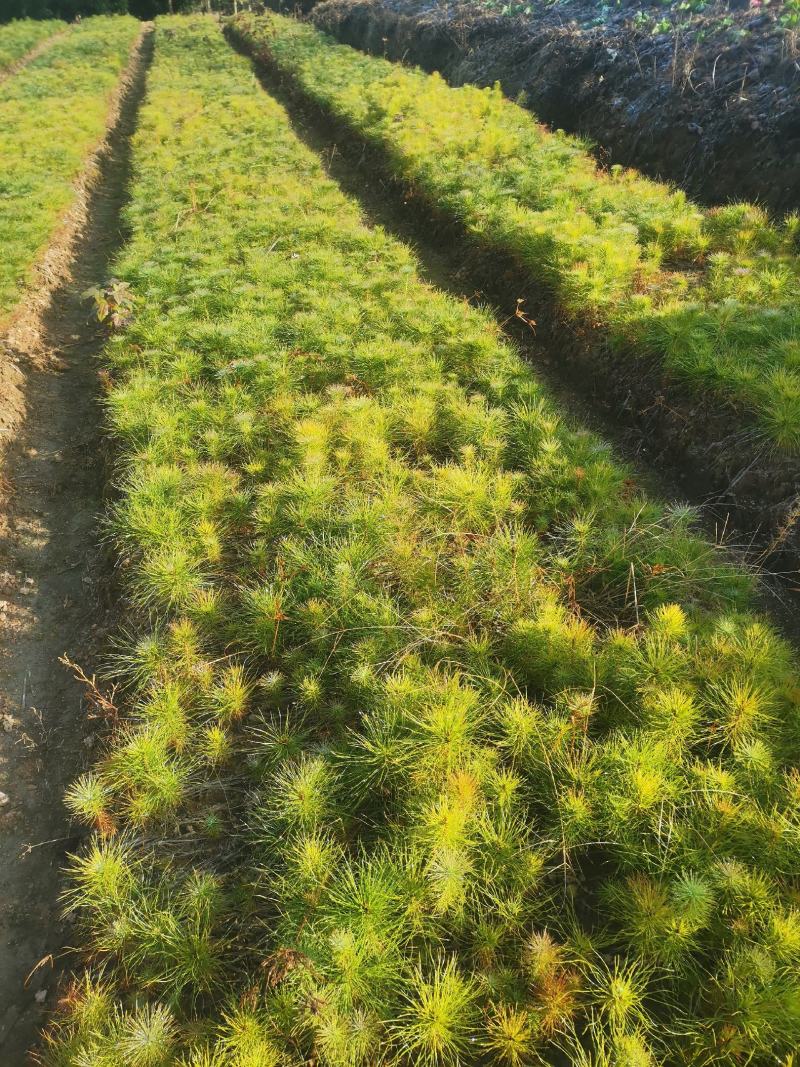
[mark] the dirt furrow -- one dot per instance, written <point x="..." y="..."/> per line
<point x="53" y="573"/>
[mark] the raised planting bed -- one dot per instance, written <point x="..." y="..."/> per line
<point x="53" y="114"/>
<point x="691" y="312"/>
<point x="440" y="743"/>
<point x="703" y="94"/>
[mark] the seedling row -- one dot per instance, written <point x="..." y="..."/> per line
<point x="445" y="744"/>
<point x="711" y="294"/>
<point x="53" y="114"/>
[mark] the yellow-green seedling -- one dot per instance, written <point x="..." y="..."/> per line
<point x="443" y="742"/>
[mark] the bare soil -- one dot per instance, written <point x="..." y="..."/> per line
<point x="709" y="102"/>
<point x="54" y="573"/>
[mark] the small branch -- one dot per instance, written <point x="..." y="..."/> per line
<point x="103" y="707"/>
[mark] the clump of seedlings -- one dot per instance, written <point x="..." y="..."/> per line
<point x="712" y="294"/>
<point x="52" y="116"/>
<point x="445" y="744"/>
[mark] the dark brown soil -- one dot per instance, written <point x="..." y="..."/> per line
<point x="713" y="106"/>
<point x="54" y="575"/>
<point x="683" y="447"/>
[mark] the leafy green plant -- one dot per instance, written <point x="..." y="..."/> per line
<point x="113" y="303"/>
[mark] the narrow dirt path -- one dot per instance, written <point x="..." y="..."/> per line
<point x="35" y="52"/>
<point x="54" y="577"/>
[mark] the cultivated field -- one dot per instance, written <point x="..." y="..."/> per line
<point x="702" y="92"/>
<point x="712" y="293"/>
<point x="17" y="39"/>
<point x="429" y="737"/>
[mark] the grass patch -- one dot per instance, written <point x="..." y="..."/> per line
<point x="712" y="293"/>
<point x="445" y="746"/>
<point x="19" y="37"/>
<point x="52" y="114"/>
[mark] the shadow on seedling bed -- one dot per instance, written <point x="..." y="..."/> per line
<point x="707" y="99"/>
<point x="684" y="446"/>
<point x="55" y="577"/>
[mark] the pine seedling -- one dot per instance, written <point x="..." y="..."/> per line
<point x="369" y="898"/>
<point x="165" y="711"/>
<point x="87" y="1012"/>
<point x="673" y="716"/>
<point x="263" y="609"/>
<point x="444" y="726"/>
<point x="617" y="1050"/>
<point x="204" y="1057"/>
<point x="229" y="699"/>
<point x="510" y="1036"/>
<point x="216" y="746"/>
<point x="209" y="610"/>
<point x="450" y="875"/>
<point x="542" y="957"/>
<point x="361" y="970"/>
<point x="103" y="879"/>
<point x="744" y="892"/>
<point x="184" y="642"/>
<point x="669" y="620"/>
<point x="783" y="935"/>
<point x="439" y="1021"/>
<point x="557" y="1002"/>
<point x="349" y="1041"/>
<point x="521" y="730"/>
<point x="281" y="738"/>
<point x="693" y="896"/>
<point x="312" y="859"/>
<point x="88" y="798"/>
<point x="169" y="577"/>
<point x="741" y="709"/>
<point x="646" y="918"/>
<point x="303" y="793"/>
<point x="147" y="1037"/>
<point x="142" y="660"/>
<point x="632" y="1050"/>
<point x="618" y="994"/>
<point x="175" y="948"/>
<point x="247" y="1041"/>
<point x="142" y="768"/>
<point x="756" y="761"/>
<point x="310" y="693"/>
